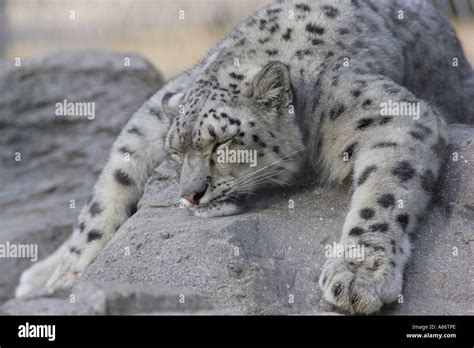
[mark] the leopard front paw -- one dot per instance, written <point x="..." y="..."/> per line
<point x="217" y="209"/>
<point x="66" y="274"/>
<point x="360" y="287"/>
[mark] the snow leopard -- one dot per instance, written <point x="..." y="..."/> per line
<point x="313" y="85"/>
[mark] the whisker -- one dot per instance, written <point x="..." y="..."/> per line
<point x="273" y="163"/>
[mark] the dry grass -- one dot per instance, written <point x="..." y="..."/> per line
<point x="465" y="31"/>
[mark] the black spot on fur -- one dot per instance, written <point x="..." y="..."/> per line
<point x="366" y="103"/>
<point x="271" y="52"/>
<point x="330" y="11"/>
<point x="255" y="138"/>
<point x="275" y="27"/>
<point x="235" y="76"/>
<point x="135" y="130"/>
<point x="314" y="29"/>
<point x="93" y="235"/>
<point x="367" y="213"/>
<point x="74" y="250"/>
<point x="343" y="31"/>
<point x="240" y="43"/>
<point x="287" y="35"/>
<point x="123" y="178"/>
<point x="302" y="53"/>
<point x="364" y="123"/>
<point x="403" y="220"/>
<point x="350" y="150"/>
<point x="303" y="7"/>
<point x="403" y="171"/>
<point x="429" y="182"/>
<point x="211" y="131"/>
<point x="264" y="40"/>
<point x="380" y="227"/>
<point x="384" y="144"/>
<point x="276" y="149"/>
<point x="233" y="121"/>
<point x="356" y="231"/>
<point x="82" y="226"/>
<point x="365" y="174"/>
<point x="355" y="93"/>
<point x="95" y="209"/>
<point x="272" y="11"/>
<point x="336" y="111"/>
<point x="386" y="200"/>
<point x="316" y="41"/>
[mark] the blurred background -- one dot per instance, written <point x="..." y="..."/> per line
<point x="172" y="34"/>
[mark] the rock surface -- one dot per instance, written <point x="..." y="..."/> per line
<point x="264" y="261"/>
<point x="268" y="260"/>
<point x="61" y="157"/>
<point x="108" y="299"/>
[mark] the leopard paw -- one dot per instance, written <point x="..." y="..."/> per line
<point x="360" y="287"/>
<point x="217" y="209"/>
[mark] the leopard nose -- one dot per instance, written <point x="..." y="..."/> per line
<point x="194" y="197"/>
<point x="190" y="197"/>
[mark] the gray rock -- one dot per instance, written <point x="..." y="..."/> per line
<point x="268" y="260"/>
<point x="264" y="261"/>
<point x="107" y="299"/>
<point x="61" y="157"/>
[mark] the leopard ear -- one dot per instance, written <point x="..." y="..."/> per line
<point x="171" y="103"/>
<point x="271" y="88"/>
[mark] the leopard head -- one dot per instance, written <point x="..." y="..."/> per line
<point x="231" y="139"/>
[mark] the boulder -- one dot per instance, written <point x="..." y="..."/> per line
<point x="268" y="259"/>
<point x="49" y="163"/>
